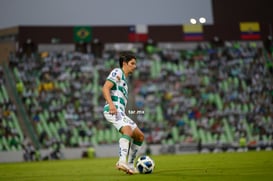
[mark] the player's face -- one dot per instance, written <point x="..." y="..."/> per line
<point x="130" y="66"/>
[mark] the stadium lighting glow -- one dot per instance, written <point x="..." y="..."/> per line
<point x="202" y="20"/>
<point x="193" y="21"/>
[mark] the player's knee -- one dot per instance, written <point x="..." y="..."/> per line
<point x="141" y="137"/>
<point x="127" y="131"/>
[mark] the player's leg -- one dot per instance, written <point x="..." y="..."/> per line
<point x="124" y="141"/>
<point x="124" y="145"/>
<point x="138" y="138"/>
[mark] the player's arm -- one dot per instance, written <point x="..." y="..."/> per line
<point x="107" y="96"/>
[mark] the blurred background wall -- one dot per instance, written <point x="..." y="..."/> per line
<point x="102" y="12"/>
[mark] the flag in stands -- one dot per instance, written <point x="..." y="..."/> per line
<point x="250" y="30"/>
<point x="138" y="33"/>
<point x="82" y="34"/>
<point x="193" y="32"/>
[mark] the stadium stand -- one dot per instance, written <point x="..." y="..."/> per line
<point x="214" y="96"/>
<point x="10" y="130"/>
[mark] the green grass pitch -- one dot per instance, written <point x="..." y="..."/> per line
<point x="187" y="167"/>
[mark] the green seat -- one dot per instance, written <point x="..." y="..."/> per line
<point x="114" y="135"/>
<point x="194" y="129"/>
<point x="5" y="143"/>
<point x="244" y="85"/>
<point x="265" y="139"/>
<point x="39" y="128"/>
<point x="45" y="127"/>
<point x="46" y="114"/>
<point x="236" y="82"/>
<point x="181" y="67"/>
<point x="100" y="136"/>
<point x="170" y="142"/>
<point x="193" y="101"/>
<point x="73" y="140"/>
<point x="219" y="102"/>
<point x="158" y="67"/>
<point x="206" y="80"/>
<point x="17" y="74"/>
<point x="15" y="124"/>
<point x="13" y="148"/>
<point x="1" y="146"/>
<point x="202" y="136"/>
<point x="210" y="139"/>
<point x="159" y="114"/>
<point x="94" y="141"/>
<point x="232" y="106"/>
<point x="58" y="125"/>
<point x="248" y="129"/>
<point x="1" y="97"/>
<point x="186" y="119"/>
<point x="245" y="108"/>
<point x="174" y="67"/>
<point x="147" y="115"/>
<point x="225" y="86"/>
<point x="153" y="69"/>
<point x="228" y="131"/>
<point x="163" y="142"/>
<point x="87" y="140"/>
<point x="168" y="65"/>
<point x="53" y="130"/>
<point x="4" y="93"/>
<point x="63" y="138"/>
<point x="107" y="136"/>
<point x="223" y="138"/>
<point x="175" y="134"/>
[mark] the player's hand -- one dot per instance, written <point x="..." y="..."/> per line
<point x="112" y="109"/>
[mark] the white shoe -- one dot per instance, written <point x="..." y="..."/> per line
<point x="133" y="168"/>
<point x="124" y="167"/>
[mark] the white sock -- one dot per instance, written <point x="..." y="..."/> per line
<point x="124" y="142"/>
<point x="135" y="147"/>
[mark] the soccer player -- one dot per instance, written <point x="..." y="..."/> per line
<point x="115" y="92"/>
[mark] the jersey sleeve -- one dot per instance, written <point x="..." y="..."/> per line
<point x="115" y="75"/>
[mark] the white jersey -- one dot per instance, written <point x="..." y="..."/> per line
<point x="119" y="92"/>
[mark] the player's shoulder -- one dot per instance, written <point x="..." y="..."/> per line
<point x="116" y="71"/>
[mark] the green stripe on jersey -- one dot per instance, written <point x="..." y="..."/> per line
<point x="123" y="91"/>
<point x="115" y="99"/>
<point x="106" y="108"/>
<point x="119" y="92"/>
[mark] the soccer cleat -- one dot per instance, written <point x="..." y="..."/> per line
<point x="133" y="168"/>
<point x="124" y="167"/>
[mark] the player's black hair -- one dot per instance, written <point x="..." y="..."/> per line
<point x="126" y="57"/>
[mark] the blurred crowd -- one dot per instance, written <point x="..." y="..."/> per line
<point x="209" y="94"/>
<point x="9" y="129"/>
<point x="216" y="95"/>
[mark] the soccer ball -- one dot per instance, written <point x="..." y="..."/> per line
<point x="145" y="164"/>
